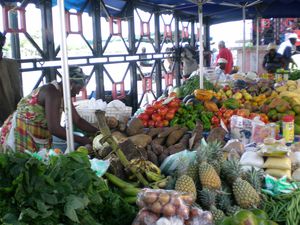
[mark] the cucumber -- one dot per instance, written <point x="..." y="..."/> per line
<point x="117" y="181"/>
<point x="131" y="191"/>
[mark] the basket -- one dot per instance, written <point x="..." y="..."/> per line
<point x="88" y="114"/>
<point x="119" y="114"/>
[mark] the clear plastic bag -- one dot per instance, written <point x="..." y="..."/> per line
<point x="199" y="217"/>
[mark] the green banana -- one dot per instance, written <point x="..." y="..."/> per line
<point x="151" y="176"/>
<point x="131" y="191"/>
<point x="130" y="199"/>
<point x="117" y="181"/>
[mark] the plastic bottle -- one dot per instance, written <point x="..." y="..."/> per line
<point x="288" y="128"/>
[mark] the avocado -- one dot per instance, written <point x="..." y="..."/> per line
<point x="296" y="109"/>
<point x="227" y="221"/>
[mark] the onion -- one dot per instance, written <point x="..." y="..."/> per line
<point x="183" y="212"/>
<point x="168" y="210"/>
<point x="156" y="207"/>
<point x="150" y="197"/>
<point x="164" y="198"/>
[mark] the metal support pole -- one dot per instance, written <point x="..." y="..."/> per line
<point x="177" y="57"/>
<point x="14" y="38"/>
<point x="133" y="73"/>
<point x="48" y="37"/>
<point x="200" y="14"/>
<point x="65" y="77"/>
<point x="193" y="40"/>
<point x="97" y="48"/>
<point x="158" y="76"/>
<point x="244" y="38"/>
<point x="257" y="43"/>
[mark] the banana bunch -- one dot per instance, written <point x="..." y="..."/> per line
<point x="151" y="171"/>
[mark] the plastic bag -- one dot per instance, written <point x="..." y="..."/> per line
<point x="252" y="159"/>
<point x="261" y="131"/>
<point x="174" y="220"/>
<point x="99" y="166"/>
<point x="241" y="129"/>
<point x="167" y="203"/>
<point x="44" y="154"/>
<point x="283" y="163"/>
<point x="278" y="186"/>
<point x="199" y="217"/>
<point x="172" y="162"/>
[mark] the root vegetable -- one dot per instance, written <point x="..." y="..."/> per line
<point x="141" y="140"/>
<point x="150" y="197"/>
<point x="167" y="131"/>
<point x="197" y="135"/>
<point x="175" y="136"/>
<point x="157" y="149"/>
<point x="112" y="122"/>
<point x="217" y="134"/>
<point x="119" y="137"/>
<point x="175" y="148"/>
<point x="152" y="157"/>
<point x="135" y="126"/>
<point x="159" y="141"/>
<point x="156" y="207"/>
<point x="153" y="132"/>
<point x="162" y="157"/>
<point x="185" y="140"/>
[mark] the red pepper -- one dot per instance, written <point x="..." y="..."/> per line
<point x="215" y="120"/>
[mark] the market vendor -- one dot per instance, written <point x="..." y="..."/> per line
<point x="220" y="71"/>
<point x="272" y="60"/>
<point x="38" y="116"/>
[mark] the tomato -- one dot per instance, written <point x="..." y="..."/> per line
<point x="243" y="113"/>
<point x="219" y="114"/>
<point x="165" y="123"/>
<point x="172" y="110"/>
<point x="149" y="110"/>
<point x="156" y="117"/>
<point x="228" y="114"/>
<point x="159" y="124"/>
<point x="173" y="104"/>
<point x="173" y="94"/>
<point x="223" y="109"/>
<point x="162" y="111"/>
<point x="215" y="120"/>
<point x="143" y="116"/>
<point x="151" y="123"/>
<point x="169" y="116"/>
<point x="157" y="104"/>
<point x="145" y="123"/>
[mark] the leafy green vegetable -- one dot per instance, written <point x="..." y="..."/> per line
<point x="64" y="192"/>
<point x="294" y="75"/>
<point x="192" y="83"/>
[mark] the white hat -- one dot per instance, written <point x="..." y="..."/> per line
<point x="222" y="60"/>
<point x="293" y="35"/>
<point x="271" y="46"/>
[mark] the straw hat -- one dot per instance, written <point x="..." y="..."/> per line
<point x="271" y="46"/>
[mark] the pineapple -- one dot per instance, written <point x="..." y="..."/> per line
<point x="207" y="174"/>
<point x="192" y="172"/>
<point x="231" y="210"/>
<point x="255" y="178"/>
<point x="186" y="184"/>
<point x="224" y="202"/>
<point x="208" y="201"/>
<point x="244" y="194"/>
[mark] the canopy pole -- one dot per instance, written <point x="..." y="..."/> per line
<point x="244" y="39"/>
<point x="257" y="43"/>
<point x="200" y="14"/>
<point x="65" y="78"/>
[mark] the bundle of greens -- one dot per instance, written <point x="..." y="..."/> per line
<point x="192" y="83"/>
<point x="66" y="191"/>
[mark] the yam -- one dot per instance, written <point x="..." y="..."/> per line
<point x="119" y="137"/>
<point x="157" y="148"/>
<point x="159" y="141"/>
<point x="112" y="122"/>
<point x="141" y="140"/>
<point x="153" y="132"/>
<point x="217" y="134"/>
<point x="135" y="126"/>
<point x="152" y="157"/>
<point x="175" y="148"/>
<point x="167" y="131"/>
<point x="197" y="135"/>
<point x="131" y="151"/>
<point x="185" y="140"/>
<point x="175" y="136"/>
<point x="162" y="157"/>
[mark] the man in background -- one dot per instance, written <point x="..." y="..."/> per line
<point x="10" y="84"/>
<point x="225" y="53"/>
<point x="272" y="60"/>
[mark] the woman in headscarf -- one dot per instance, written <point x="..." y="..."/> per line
<point x="37" y="117"/>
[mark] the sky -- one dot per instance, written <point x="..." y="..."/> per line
<point x="232" y="38"/>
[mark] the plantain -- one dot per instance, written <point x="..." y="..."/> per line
<point x="151" y="176"/>
<point x="131" y="191"/>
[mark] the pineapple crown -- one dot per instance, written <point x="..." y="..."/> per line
<point x="232" y="170"/>
<point x="209" y="151"/>
<point x="207" y="198"/>
<point x="224" y="200"/>
<point x="255" y="178"/>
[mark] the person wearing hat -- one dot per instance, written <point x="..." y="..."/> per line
<point x="38" y="115"/>
<point x="220" y="71"/>
<point x="287" y="49"/>
<point x="225" y="53"/>
<point x="10" y="83"/>
<point x="272" y="60"/>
